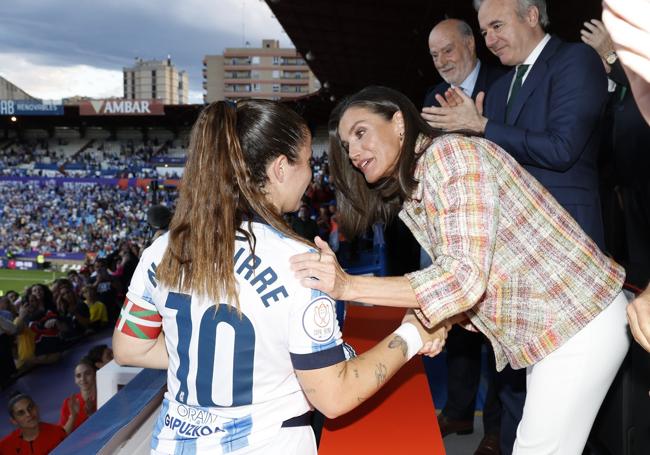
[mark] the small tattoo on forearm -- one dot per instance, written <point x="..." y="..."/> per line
<point x="399" y="342"/>
<point x="380" y="373"/>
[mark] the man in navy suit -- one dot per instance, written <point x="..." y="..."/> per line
<point x="453" y="51"/>
<point x="549" y="119"/>
<point x="545" y="112"/>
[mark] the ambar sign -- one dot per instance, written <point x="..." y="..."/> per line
<point x="121" y="107"/>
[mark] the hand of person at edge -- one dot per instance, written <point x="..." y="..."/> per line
<point x="638" y="315"/>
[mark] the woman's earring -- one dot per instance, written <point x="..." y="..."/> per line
<point x="401" y="136"/>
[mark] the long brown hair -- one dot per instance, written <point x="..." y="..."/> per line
<point x="223" y="186"/>
<point x="360" y="204"/>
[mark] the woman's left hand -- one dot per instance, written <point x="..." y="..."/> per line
<point x="321" y="271"/>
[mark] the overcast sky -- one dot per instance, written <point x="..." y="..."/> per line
<point x="59" y="48"/>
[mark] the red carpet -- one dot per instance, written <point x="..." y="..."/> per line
<point x="400" y="418"/>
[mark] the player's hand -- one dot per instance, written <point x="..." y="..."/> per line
<point x="433" y="339"/>
<point x="463" y="321"/>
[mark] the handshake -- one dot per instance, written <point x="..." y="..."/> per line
<point x="434" y="338"/>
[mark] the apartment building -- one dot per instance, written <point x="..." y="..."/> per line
<point x="156" y="79"/>
<point x="269" y="72"/>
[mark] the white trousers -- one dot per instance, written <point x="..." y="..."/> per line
<point x="567" y="387"/>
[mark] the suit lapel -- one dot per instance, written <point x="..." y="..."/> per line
<point x="535" y="75"/>
<point x="481" y="81"/>
<point x="498" y="99"/>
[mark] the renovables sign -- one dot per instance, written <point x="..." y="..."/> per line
<point x="30" y="107"/>
<point x="121" y="107"/>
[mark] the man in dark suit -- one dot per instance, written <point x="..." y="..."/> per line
<point x="453" y="50"/>
<point x="545" y="112"/>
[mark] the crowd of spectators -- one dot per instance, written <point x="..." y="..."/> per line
<point x="112" y="159"/>
<point x="42" y="322"/>
<point x="48" y="217"/>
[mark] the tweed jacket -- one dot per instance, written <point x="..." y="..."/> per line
<point x="504" y="252"/>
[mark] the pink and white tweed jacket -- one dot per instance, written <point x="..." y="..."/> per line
<point x="504" y="252"/>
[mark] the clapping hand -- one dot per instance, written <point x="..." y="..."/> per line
<point x="457" y="112"/>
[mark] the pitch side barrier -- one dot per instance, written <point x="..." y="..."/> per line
<point x="122" y="183"/>
<point x="124" y="424"/>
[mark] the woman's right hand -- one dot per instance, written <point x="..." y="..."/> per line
<point x="73" y="406"/>
<point x="321" y="271"/>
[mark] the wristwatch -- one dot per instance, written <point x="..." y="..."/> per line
<point x="611" y="57"/>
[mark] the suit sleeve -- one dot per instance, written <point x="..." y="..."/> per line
<point x="430" y="98"/>
<point x="577" y="95"/>
<point x="618" y="75"/>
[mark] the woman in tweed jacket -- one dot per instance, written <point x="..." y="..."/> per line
<point x="508" y="260"/>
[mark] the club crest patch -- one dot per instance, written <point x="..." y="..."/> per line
<point x="319" y="319"/>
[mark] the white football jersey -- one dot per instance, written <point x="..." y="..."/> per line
<point x="231" y="380"/>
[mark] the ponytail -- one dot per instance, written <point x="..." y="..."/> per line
<point x="222" y="186"/>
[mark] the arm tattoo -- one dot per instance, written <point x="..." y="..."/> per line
<point x="399" y="342"/>
<point x="381" y="373"/>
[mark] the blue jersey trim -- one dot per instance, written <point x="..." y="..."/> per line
<point x="185" y="447"/>
<point x="317" y="360"/>
<point x="237" y="432"/>
<point x="318" y="347"/>
<point x="159" y="424"/>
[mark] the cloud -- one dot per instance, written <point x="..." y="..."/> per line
<point x="96" y="38"/>
<point x="48" y="82"/>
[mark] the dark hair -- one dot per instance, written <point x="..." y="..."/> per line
<point x="15" y="398"/>
<point x="48" y="298"/>
<point x="223" y="184"/>
<point x="85" y="360"/>
<point x="63" y="282"/>
<point x="359" y="203"/>
<point x="158" y="217"/>
<point x="96" y="353"/>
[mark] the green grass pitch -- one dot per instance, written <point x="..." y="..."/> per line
<point x="18" y="280"/>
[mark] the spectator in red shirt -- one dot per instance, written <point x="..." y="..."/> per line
<point x="32" y="436"/>
<point x="76" y="408"/>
